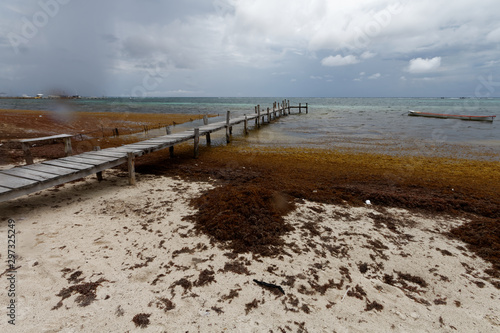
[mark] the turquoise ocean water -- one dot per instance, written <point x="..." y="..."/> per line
<point x="366" y="124"/>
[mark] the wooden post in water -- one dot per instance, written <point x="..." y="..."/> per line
<point x="205" y="122"/>
<point x="307" y="108"/>
<point x="258" y="116"/>
<point x="99" y="174"/>
<point x="171" y="148"/>
<point x="268" y="115"/>
<point x="288" y="106"/>
<point x="67" y="146"/>
<point x="131" y="168"/>
<point x="245" y="128"/>
<point x="27" y="153"/>
<point x="196" y="142"/>
<point x="228" y="118"/>
<point x="300" y="107"/>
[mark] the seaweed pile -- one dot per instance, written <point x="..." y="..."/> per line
<point x="244" y="217"/>
<point x="249" y="179"/>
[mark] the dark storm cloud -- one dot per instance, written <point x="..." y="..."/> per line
<point x="227" y="47"/>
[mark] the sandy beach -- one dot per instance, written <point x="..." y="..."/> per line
<point x="93" y="256"/>
<point x="246" y="240"/>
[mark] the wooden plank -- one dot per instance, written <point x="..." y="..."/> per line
<point x="106" y="153"/>
<point x="79" y="160"/>
<point x="52" y="137"/>
<point x="65" y="164"/>
<point x="124" y="149"/>
<point x="13" y="182"/>
<point x="97" y="157"/>
<point x="28" y="174"/>
<point x="4" y="189"/>
<point x="50" y="169"/>
<point x="70" y="176"/>
<point x="143" y="145"/>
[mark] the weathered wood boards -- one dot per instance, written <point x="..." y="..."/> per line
<point x="26" y="145"/>
<point x="31" y="178"/>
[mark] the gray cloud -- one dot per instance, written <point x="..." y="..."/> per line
<point x="225" y="47"/>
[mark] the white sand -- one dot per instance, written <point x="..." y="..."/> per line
<point x="104" y="229"/>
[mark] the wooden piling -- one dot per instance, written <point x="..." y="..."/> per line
<point x="245" y="125"/>
<point x="205" y="120"/>
<point x="300" y="107"/>
<point x="169" y="130"/>
<point x="258" y="116"/>
<point x="268" y="115"/>
<point x="131" y="168"/>
<point x="228" y="118"/>
<point x="67" y="147"/>
<point x="98" y="174"/>
<point x="307" y="108"/>
<point x="27" y="153"/>
<point x="288" y="106"/>
<point x="196" y="142"/>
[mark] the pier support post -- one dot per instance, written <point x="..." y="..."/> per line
<point x="209" y="139"/>
<point x="196" y="142"/>
<point x="300" y="107"/>
<point x="307" y="108"/>
<point x="27" y="153"/>
<point x="245" y="127"/>
<point x="131" y="168"/>
<point x="268" y="115"/>
<point x="288" y="106"/>
<point x="258" y="116"/>
<point x="169" y="130"/>
<point x="228" y="118"/>
<point x="67" y="146"/>
<point x="98" y="174"/>
<point x="205" y="120"/>
<point x="171" y="151"/>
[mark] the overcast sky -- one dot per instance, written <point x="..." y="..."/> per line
<point x="325" y="48"/>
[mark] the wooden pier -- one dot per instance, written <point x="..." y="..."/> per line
<point x="32" y="178"/>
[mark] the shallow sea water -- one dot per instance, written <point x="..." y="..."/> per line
<point x="364" y="124"/>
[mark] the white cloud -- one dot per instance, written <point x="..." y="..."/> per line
<point x="368" y="55"/>
<point x="420" y="65"/>
<point x="375" y="76"/>
<point x="338" y="60"/>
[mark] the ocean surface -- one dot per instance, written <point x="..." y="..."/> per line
<point x="365" y="124"/>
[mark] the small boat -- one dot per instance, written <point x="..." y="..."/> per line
<point x="450" y="116"/>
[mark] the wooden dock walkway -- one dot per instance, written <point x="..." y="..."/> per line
<point x="32" y="178"/>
